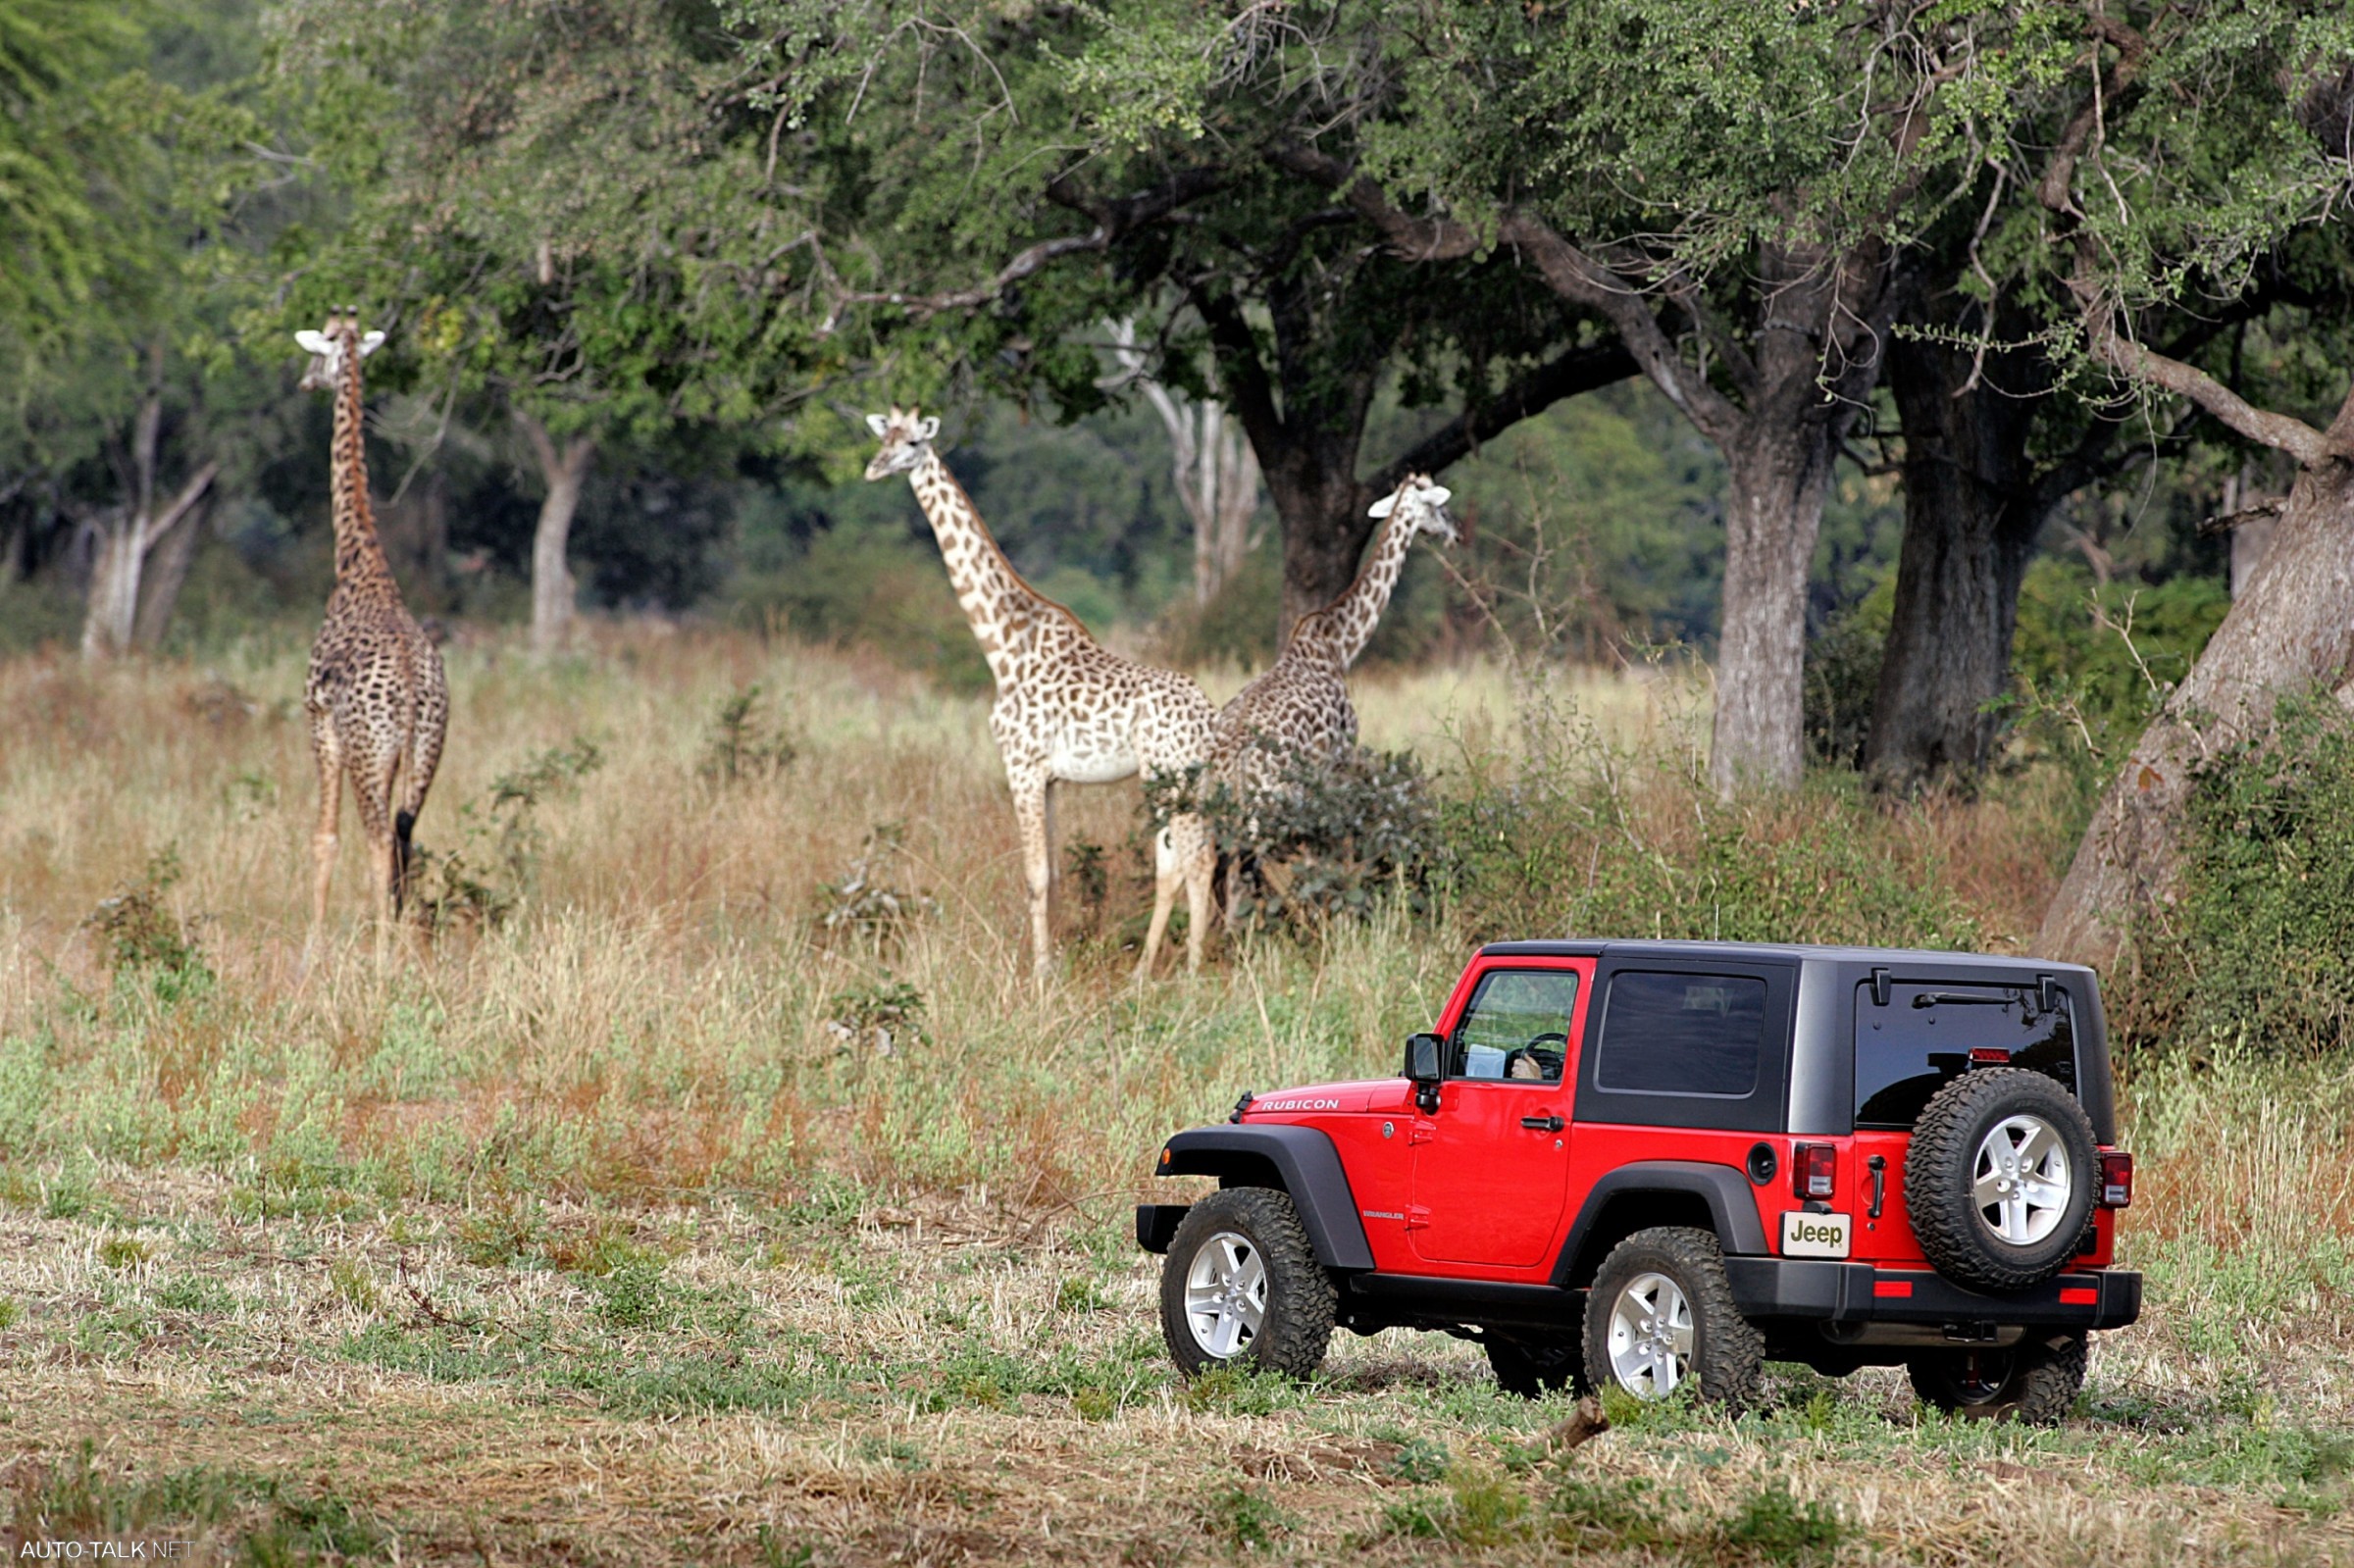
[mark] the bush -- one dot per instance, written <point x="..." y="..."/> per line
<point x="1327" y="840"/>
<point x="2259" y="945"/>
<point x="1582" y="839"/>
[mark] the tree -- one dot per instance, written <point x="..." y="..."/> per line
<point x="568" y="236"/>
<point x="1752" y="273"/>
<point x="2192" y="146"/>
<point x="1211" y="466"/>
<point x="1121" y="162"/>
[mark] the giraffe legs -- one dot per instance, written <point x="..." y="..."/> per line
<point x="1183" y="856"/>
<point x="328" y="754"/>
<point x="1031" y="817"/>
<point x="373" y="787"/>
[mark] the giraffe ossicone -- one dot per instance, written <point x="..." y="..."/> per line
<point x="1067" y="709"/>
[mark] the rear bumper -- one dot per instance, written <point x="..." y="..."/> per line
<point x="1857" y="1292"/>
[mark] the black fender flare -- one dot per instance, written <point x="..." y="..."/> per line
<point x="1303" y="1160"/>
<point x="1727" y="1192"/>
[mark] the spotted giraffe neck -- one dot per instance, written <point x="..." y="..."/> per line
<point x="1004" y="612"/>
<point x="359" y="553"/>
<point x="1353" y="616"/>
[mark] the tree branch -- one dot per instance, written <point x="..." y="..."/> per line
<point x="182" y="504"/>
<point x="2113" y="346"/>
<point x="1568" y="271"/>
<point x="1579" y="370"/>
<point x="1113" y="221"/>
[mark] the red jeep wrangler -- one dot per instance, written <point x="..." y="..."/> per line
<point x="1666" y="1163"/>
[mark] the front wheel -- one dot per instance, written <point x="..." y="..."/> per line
<point x="1660" y="1317"/>
<point x="2029" y="1381"/>
<point x="1242" y="1287"/>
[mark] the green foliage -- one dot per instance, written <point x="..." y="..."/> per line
<point x="137" y="929"/>
<point x="1582" y="838"/>
<point x="2094" y="662"/>
<point x="2257" y="947"/>
<point x="483" y="879"/>
<point x="1329" y="838"/>
<point x="1245" y="1518"/>
<point x="1843" y="675"/>
<point x="744" y="744"/>
<point x="1773" y="1527"/>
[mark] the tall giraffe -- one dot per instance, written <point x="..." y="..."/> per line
<point x="378" y="701"/>
<point x="1300" y="707"/>
<point x="1067" y="709"/>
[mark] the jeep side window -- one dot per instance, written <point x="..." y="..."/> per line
<point x="1686" y="1034"/>
<point x="1517" y="1026"/>
<point x="1909" y="1049"/>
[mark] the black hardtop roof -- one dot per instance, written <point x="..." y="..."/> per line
<point x="1892" y="957"/>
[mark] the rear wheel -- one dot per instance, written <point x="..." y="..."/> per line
<point x="2000" y="1178"/>
<point x="2032" y="1381"/>
<point x="1242" y="1287"/>
<point x="1533" y="1368"/>
<point x="1660" y="1317"/>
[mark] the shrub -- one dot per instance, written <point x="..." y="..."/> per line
<point x="2259" y="944"/>
<point x="481" y="883"/>
<point x="1613" y="845"/>
<point x="136" y="930"/>
<point x="743" y="743"/>
<point x="1327" y="840"/>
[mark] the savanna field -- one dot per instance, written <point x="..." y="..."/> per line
<point x="709" y="1184"/>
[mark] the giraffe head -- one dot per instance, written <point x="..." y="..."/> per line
<point x="335" y="345"/>
<point x="905" y="440"/>
<point x="1430" y="504"/>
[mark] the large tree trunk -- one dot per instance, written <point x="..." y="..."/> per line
<point x="2292" y="627"/>
<point x="1972" y="513"/>
<point x="563" y="472"/>
<point x="170" y="573"/>
<point x="128" y="534"/>
<point x="1776" y="481"/>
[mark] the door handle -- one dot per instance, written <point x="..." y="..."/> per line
<point x="1542" y="1124"/>
<point x="1880" y="1183"/>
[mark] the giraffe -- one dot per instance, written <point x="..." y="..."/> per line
<point x="378" y="701"/>
<point x="1299" y="707"/>
<point x="1067" y="709"/>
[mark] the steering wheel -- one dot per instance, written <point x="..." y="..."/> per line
<point x="1548" y="1061"/>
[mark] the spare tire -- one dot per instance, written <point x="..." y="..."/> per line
<point x="2000" y="1178"/>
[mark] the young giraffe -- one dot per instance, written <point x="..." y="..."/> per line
<point x="378" y="701"/>
<point x="1067" y="709"/>
<point x="1300" y="707"/>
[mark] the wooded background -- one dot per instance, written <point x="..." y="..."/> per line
<point x="1922" y="368"/>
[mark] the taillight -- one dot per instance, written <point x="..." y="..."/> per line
<point x="2116" y="1180"/>
<point x="1989" y="1056"/>
<point x="1814" y="1168"/>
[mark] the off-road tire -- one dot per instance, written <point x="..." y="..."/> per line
<point x="1301" y="1302"/>
<point x="1532" y="1368"/>
<point x="2035" y="1382"/>
<point x="1726" y="1363"/>
<point x="1940" y="1172"/>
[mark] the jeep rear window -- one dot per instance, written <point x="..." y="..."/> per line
<point x="1909" y="1049"/>
<point x="1693" y="1035"/>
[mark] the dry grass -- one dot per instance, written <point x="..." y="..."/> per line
<point x="616" y="1232"/>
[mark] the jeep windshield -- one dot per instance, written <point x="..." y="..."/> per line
<point x="1926" y="1034"/>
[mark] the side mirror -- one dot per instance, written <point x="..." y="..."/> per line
<point x="1423" y="1052"/>
<point x="1423" y="1057"/>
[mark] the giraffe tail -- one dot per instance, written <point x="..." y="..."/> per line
<point x="404" y="824"/>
